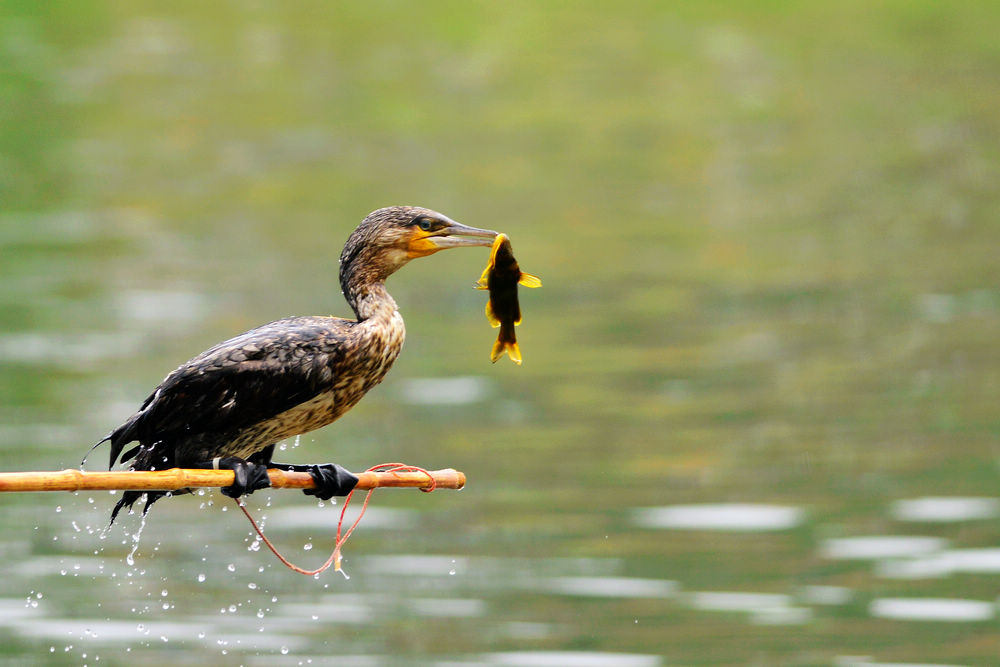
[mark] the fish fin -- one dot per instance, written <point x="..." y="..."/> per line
<point x="514" y="352"/>
<point x="529" y="280"/>
<point x="492" y="316"/>
<point x="497" y="350"/>
<point x="483" y="282"/>
<point x="510" y="347"/>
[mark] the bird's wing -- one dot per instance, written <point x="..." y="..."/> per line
<point x="243" y="381"/>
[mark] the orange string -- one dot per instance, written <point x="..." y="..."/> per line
<point x="336" y="557"/>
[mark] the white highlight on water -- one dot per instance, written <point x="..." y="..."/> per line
<point x="741" y="517"/>
<point x="945" y="509"/>
<point x="880" y="546"/>
<point x="932" y="609"/>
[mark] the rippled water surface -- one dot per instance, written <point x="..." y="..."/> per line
<point x="757" y="417"/>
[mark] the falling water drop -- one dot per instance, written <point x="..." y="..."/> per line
<point x="130" y="559"/>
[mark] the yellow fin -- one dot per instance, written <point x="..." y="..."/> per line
<point x="491" y="316"/>
<point x="512" y="350"/>
<point x="483" y="282"/>
<point x="529" y="280"/>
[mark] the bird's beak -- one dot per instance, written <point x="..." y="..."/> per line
<point x="451" y="235"/>
<point x="457" y="235"/>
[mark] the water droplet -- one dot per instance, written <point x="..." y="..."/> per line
<point x="307" y="546"/>
<point x="252" y="586"/>
<point x="201" y="577"/>
<point x="58" y="508"/>
<point x="284" y="650"/>
<point x="231" y="567"/>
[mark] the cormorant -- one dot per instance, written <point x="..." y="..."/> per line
<point x="228" y="406"/>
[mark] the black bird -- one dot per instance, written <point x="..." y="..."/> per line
<point x="228" y="406"/>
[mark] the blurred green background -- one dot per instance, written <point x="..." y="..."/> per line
<point x="757" y="418"/>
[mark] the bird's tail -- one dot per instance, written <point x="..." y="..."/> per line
<point x="147" y="457"/>
<point x="129" y="498"/>
<point x="506" y="342"/>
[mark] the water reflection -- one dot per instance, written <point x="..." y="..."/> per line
<point x="77" y="351"/>
<point x="932" y="609"/>
<point x="826" y="595"/>
<point x="721" y="516"/>
<point x="445" y="391"/>
<point x="945" y="509"/>
<point x="867" y="661"/>
<point x="880" y="546"/>
<point x="611" y="587"/>
<point x="575" y="658"/>
<point x="755" y="295"/>
<point x="942" y="564"/>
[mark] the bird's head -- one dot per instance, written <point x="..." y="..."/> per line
<point x="390" y="237"/>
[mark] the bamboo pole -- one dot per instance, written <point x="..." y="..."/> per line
<point x="186" y="478"/>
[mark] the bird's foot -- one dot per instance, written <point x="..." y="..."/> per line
<point x="331" y="480"/>
<point x="249" y="476"/>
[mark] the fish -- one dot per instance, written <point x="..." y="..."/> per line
<point x="501" y="277"/>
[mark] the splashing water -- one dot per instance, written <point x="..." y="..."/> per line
<point x="130" y="559"/>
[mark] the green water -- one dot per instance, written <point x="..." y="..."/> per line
<point x="768" y="238"/>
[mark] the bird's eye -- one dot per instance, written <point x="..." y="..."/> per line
<point x="425" y="224"/>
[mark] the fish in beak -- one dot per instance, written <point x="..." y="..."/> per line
<point x="501" y="277"/>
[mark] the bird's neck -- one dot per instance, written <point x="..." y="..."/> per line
<point x="370" y="301"/>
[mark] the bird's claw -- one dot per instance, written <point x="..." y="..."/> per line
<point x="248" y="476"/>
<point x="331" y="480"/>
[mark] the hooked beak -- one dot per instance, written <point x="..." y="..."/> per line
<point x="457" y="235"/>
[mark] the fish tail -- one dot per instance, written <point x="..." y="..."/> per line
<point x="506" y="342"/>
